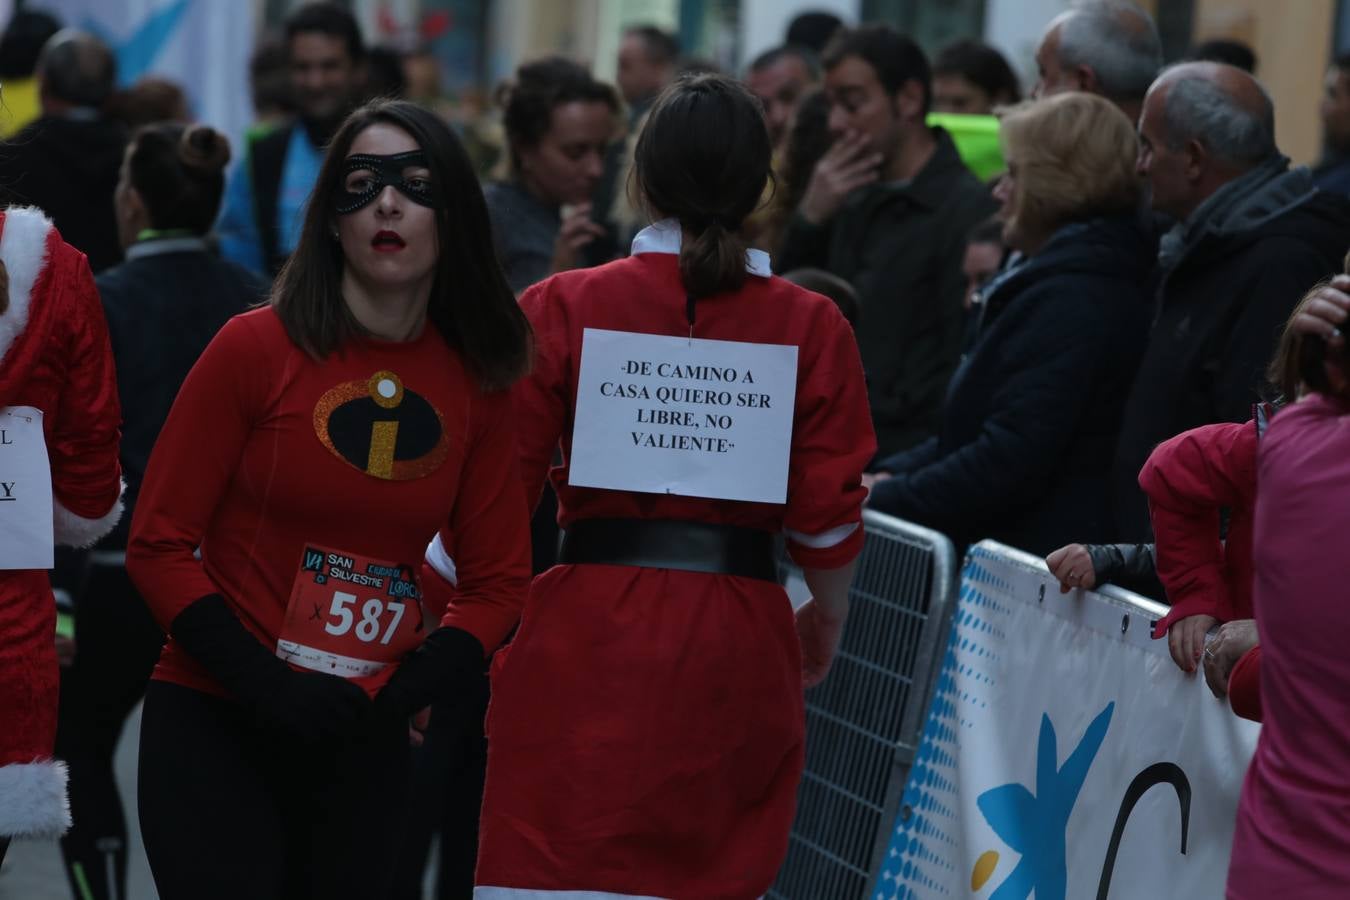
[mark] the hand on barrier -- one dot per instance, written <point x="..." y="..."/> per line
<point x="1072" y="565"/>
<point x="1186" y="640"/>
<point x="871" y="478"/>
<point x="1326" y="311"/>
<point x="819" y="634"/>
<point x="1230" y="644"/>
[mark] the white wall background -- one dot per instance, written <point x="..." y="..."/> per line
<point x="764" y="22"/>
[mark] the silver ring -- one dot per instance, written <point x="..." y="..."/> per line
<point x="1209" y="654"/>
<point x="1335" y="333"/>
<point x="1073" y="574"/>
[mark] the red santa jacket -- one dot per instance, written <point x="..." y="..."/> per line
<point x="1188" y="479"/>
<point x="54" y="357"/>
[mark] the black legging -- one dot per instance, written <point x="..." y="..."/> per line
<point x="445" y="799"/>
<point x="116" y="646"/>
<point x="228" y="811"/>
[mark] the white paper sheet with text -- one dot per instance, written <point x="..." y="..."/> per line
<point x="688" y="416"/>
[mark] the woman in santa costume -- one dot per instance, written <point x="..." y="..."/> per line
<point x="645" y="737"/>
<point x="59" y="483"/>
<point x="316" y="447"/>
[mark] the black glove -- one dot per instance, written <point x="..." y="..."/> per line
<point x="312" y="706"/>
<point x="447" y="666"/>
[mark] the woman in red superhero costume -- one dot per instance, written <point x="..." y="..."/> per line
<point x="645" y="737"/>
<point x="59" y="483"/>
<point x="314" y="449"/>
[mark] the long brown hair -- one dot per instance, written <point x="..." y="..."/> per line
<point x="470" y="302"/>
<point x="703" y="158"/>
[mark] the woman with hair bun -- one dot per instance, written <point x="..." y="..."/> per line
<point x="163" y="305"/>
<point x="646" y="727"/>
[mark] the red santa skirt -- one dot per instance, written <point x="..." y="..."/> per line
<point x="645" y="738"/>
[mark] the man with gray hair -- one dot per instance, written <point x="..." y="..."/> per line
<point x="66" y="162"/>
<point x="1251" y="237"/>
<point x="1106" y="47"/>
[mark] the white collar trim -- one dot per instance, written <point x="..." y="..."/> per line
<point x="23" y="247"/>
<point x="666" y="236"/>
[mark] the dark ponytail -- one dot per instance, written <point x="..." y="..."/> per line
<point x="703" y="158"/>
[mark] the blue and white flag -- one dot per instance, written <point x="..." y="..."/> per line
<point x="204" y="45"/>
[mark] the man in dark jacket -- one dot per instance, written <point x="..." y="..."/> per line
<point x="66" y="161"/>
<point x="1252" y="237"/>
<point x="888" y="209"/>
<point x="265" y="200"/>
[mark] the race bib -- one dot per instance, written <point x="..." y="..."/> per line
<point x="26" y="537"/>
<point x="351" y="615"/>
<point x="688" y="416"/>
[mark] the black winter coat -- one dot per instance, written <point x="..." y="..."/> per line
<point x="1033" y="414"/>
<point x="900" y="245"/>
<point x="163" y="309"/>
<point x="1219" y="316"/>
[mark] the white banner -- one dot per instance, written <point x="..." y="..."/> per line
<point x="1065" y="755"/>
<point x="687" y="416"/>
<point x="204" y="45"/>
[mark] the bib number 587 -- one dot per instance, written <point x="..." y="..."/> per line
<point x="368" y="626"/>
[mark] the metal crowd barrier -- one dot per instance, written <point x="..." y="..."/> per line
<point x="863" y="724"/>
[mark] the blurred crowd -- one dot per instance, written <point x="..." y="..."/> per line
<point x="1077" y="303"/>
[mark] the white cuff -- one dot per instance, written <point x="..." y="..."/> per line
<point x="33" y="800"/>
<point x="825" y="540"/>
<point x="71" y="530"/>
<point x="439" y="560"/>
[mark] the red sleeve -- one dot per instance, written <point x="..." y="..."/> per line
<point x="83" y="441"/>
<point x="541" y="399"/>
<point x="488" y="535"/>
<point x="832" y="442"/>
<point x="194" y="460"/>
<point x="1244" y="685"/>
<point x="1187" y="480"/>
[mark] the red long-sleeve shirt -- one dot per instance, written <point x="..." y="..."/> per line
<point x="267" y="451"/>
<point x="1188" y="479"/>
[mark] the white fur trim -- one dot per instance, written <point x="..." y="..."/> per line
<point x="439" y="560"/>
<point x="33" y="800"/>
<point x="71" y="530"/>
<point x="23" y="247"/>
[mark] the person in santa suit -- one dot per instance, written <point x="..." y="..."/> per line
<point x="645" y="737"/>
<point x="59" y="483"/>
<point x="315" y="449"/>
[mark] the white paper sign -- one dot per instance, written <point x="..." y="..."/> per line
<point x="26" y="539"/>
<point x="675" y="415"/>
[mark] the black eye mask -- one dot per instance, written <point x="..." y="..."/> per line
<point x="384" y="170"/>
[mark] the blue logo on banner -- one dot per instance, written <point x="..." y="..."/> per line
<point x="137" y="54"/>
<point x="1036" y="825"/>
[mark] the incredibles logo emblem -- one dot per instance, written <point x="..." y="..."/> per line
<point x="381" y="428"/>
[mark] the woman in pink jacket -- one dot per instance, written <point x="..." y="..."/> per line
<point x="1293" y="828"/>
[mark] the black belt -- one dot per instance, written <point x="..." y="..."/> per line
<point x="670" y="544"/>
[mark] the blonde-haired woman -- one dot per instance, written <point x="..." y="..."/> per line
<point x="1031" y="418"/>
